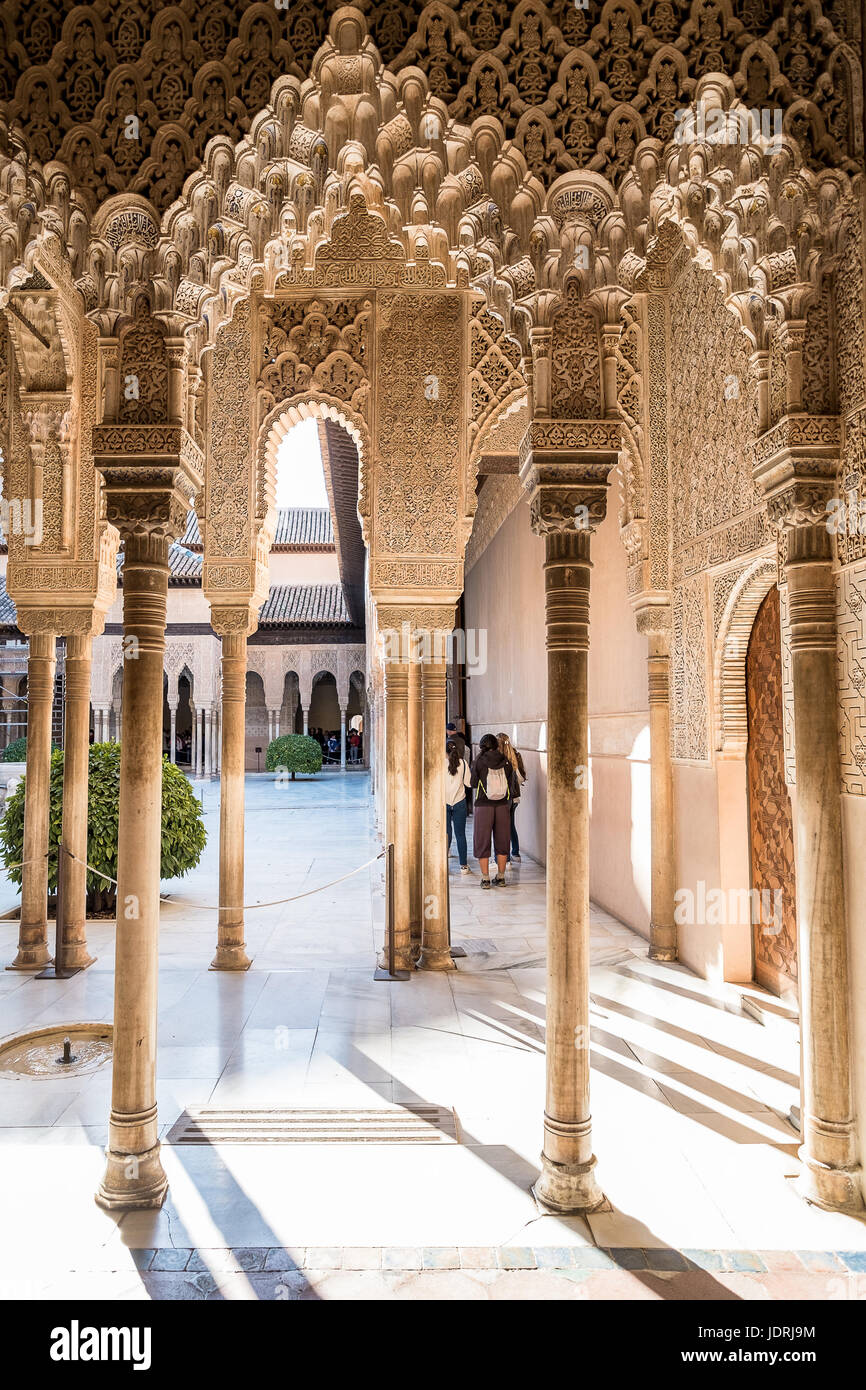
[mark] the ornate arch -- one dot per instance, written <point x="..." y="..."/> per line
<point x="730" y="651"/>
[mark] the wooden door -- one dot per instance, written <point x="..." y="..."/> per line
<point x="770" y="820"/>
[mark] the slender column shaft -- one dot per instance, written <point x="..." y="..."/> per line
<point x="76" y="760"/>
<point x="117" y="723"/>
<point x="33" y="927"/>
<point x="134" y="1175"/>
<point x="231" y="950"/>
<point x="435" y="946"/>
<point x="206" y="731"/>
<point x="831" y="1173"/>
<point x="567" y="1180"/>
<point x="663" y="931"/>
<point x="172" y="713"/>
<point x="277" y="724"/>
<point x="414" y="823"/>
<point x="342" y="738"/>
<point x="199" y="714"/>
<point x="397" y="822"/>
<point x="270" y="726"/>
<point x="306" y="718"/>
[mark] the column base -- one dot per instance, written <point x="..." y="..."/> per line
<point x="663" y="953"/>
<point x="403" y="960"/>
<point x="232" y="957"/>
<point x="132" y="1182"/>
<point x="432" y="958"/>
<point x="832" y="1189"/>
<point x="77" y="957"/>
<point x="32" y="958"/>
<point x="568" y="1187"/>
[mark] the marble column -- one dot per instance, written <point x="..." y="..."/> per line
<point x="118" y="722"/>
<point x="435" y="945"/>
<point x="134" y="1174"/>
<point x="306" y="718"/>
<point x="270" y="726"/>
<point x="568" y="488"/>
<point x="276" y="723"/>
<point x="208" y="741"/>
<point x="413" y="829"/>
<point x="231" y="949"/>
<point x="397" y="802"/>
<point x="76" y="764"/>
<point x="33" y="951"/>
<point x="655" y="621"/>
<point x="796" y="470"/>
<point x="200" y="719"/>
<point x="150" y="474"/>
<point x="343" y="738"/>
<point x="172" y="714"/>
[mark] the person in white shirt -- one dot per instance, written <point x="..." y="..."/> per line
<point x="456" y="781"/>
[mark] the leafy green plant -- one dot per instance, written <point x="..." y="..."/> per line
<point x="294" y="752"/>
<point x="16" y="751"/>
<point x="183" y="831"/>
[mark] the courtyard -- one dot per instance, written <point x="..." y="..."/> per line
<point x="691" y="1099"/>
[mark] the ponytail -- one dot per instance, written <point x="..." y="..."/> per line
<point x="454" y="759"/>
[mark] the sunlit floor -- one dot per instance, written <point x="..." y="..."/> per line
<point x="691" y="1096"/>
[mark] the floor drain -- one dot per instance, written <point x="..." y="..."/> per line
<point x="417" y="1124"/>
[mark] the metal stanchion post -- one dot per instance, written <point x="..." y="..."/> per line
<point x="389" y="973"/>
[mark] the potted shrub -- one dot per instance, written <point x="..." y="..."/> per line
<point x="183" y="832"/>
<point x="295" y="753"/>
<point x="16" y="751"/>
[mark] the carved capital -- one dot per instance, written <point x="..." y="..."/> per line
<point x="795" y="469"/>
<point x="236" y="621"/>
<point x="151" y="474"/>
<point x="565" y="466"/>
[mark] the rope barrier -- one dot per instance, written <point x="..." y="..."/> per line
<point x="245" y="907"/>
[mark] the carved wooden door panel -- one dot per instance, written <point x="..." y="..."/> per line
<point x="771" y="828"/>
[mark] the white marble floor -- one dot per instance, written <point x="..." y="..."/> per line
<point x="690" y="1095"/>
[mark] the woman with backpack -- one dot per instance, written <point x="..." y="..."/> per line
<point x="494" y="782"/>
<point x="456" y="781"/>
<point x="507" y="749"/>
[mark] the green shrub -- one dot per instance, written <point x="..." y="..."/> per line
<point x="16" y="751"/>
<point x="183" y="832"/>
<point x="294" y="752"/>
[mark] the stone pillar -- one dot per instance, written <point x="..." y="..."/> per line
<point x="397" y="812"/>
<point x="199" y="715"/>
<point x="270" y="726"/>
<point x="117" y="722"/>
<point x="655" y="622"/>
<point x="134" y="1175"/>
<point x="150" y="473"/>
<point x="33" y="927"/>
<point x="413" y="829"/>
<point x="796" y="470"/>
<point x="435" y="945"/>
<point x="172" y="714"/>
<point x="276" y="724"/>
<point x="206" y="739"/>
<point x="306" y="717"/>
<point x="231" y="949"/>
<point x="343" y="737"/>
<point x="76" y="761"/>
<point x="565" y="467"/>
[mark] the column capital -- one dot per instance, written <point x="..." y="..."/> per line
<point x="151" y="474"/>
<point x="794" y="468"/>
<point x="565" y="467"/>
<point x="237" y="620"/>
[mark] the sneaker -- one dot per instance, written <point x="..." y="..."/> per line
<point x="499" y="881"/>
<point x="465" y="869"/>
<point x="485" y="883"/>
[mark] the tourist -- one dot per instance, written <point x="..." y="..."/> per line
<point x="333" y="746"/>
<point x="494" y="783"/>
<point x="354" y="745"/>
<point x="506" y="747"/>
<point x="452" y="732"/>
<point x="456" y="781"/>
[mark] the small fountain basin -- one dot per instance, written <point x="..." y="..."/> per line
<point x="38" y="1052"/>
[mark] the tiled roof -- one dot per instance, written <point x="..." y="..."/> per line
<point x="296" y="526"/>
<point x="184" y="565"/>
<point x="305" y="605"/>
<point x="8" y="615"/>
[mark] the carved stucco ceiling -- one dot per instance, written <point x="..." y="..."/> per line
<point x="574" y="87"/>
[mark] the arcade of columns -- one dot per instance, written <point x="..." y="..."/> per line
<point x="360" y="255"/>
